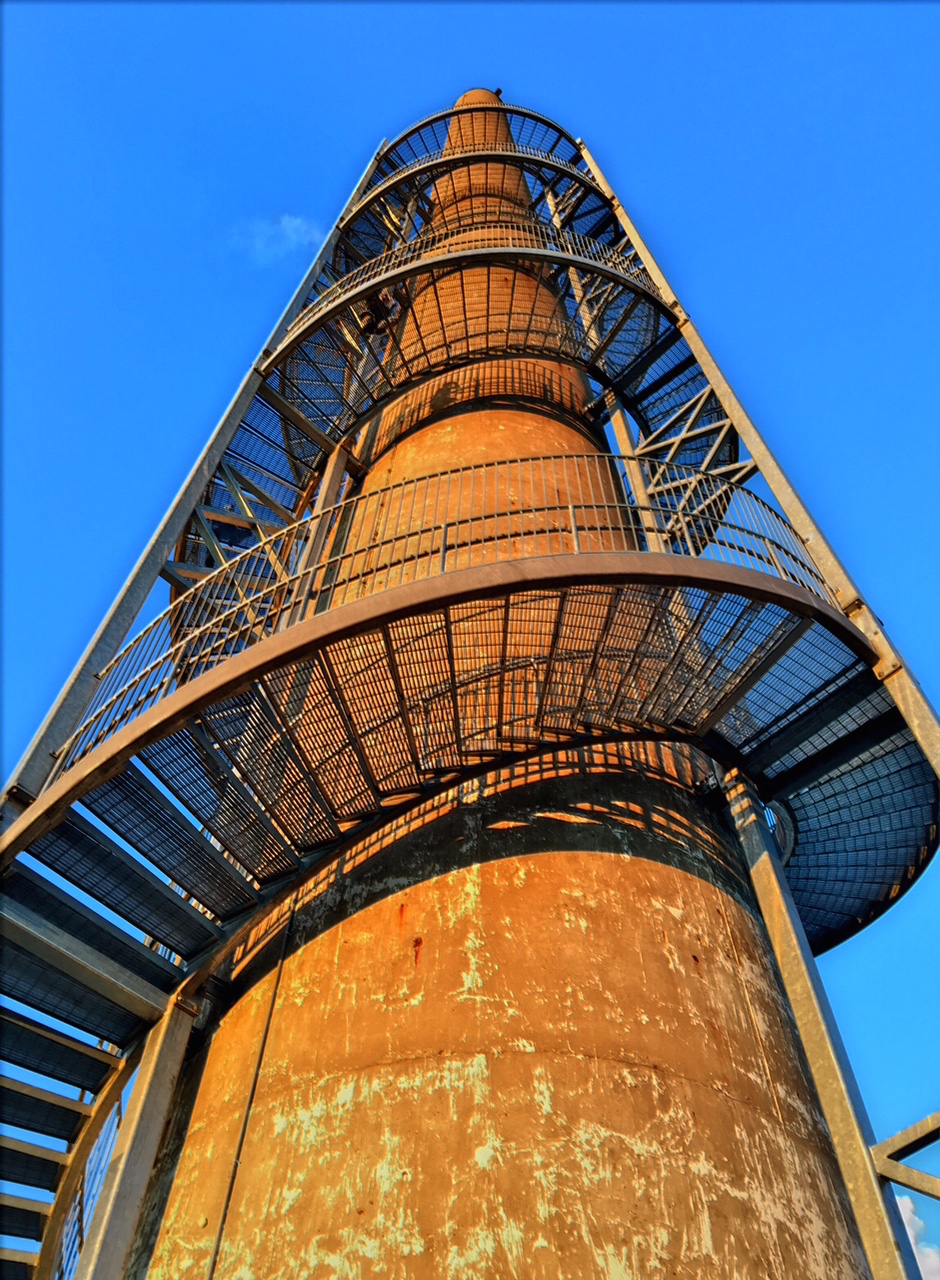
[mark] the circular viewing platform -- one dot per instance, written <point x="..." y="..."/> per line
<point x="425" y="528"/>
<point x="389" y="647"/>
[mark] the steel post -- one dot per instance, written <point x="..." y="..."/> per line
<point x="879" y="1222"/>
<point x="891" y="668"/>
<point x="109" y="1240"/>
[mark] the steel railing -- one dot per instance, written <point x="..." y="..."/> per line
<point x="423" y="528"/>
<point x="465" y="156"/>
<point x="527" y="128"/>
<point x="430" y="247"/>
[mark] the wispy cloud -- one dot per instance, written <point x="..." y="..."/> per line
<point x="267" y="240"/>
<point x="928" y="1256"/>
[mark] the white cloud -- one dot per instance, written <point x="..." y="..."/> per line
<point x="928" y="1255"/>
<point x="268" y="240"/>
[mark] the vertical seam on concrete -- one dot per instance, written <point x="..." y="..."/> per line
<point x="243" y="1131"/>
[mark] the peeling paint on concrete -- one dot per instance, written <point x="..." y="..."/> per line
<point x="543" y="1091"/>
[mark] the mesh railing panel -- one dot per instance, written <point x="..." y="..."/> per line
<point x="420" y="529"/>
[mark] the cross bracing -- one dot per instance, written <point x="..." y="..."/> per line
<point x="330" y="661"/>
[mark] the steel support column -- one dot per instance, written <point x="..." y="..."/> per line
<point x="879" y="1222"/>
<point x="33" y="770"/>
<point x="891" y="668"/>
<point x="111" y="1235"/>
<point x="619" y="422"/>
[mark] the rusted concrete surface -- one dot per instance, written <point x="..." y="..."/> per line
<point x="567" y="1055"/>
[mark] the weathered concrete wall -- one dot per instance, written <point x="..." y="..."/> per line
<point x="540" y="1036"/>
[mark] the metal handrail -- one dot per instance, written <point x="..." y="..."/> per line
<point x="437" y="524"/>
<point x="429" y="246"/>
<point x="508" y="111"/>
<point x="456" y="155"/>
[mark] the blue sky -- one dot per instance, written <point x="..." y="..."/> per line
<point x="169" y="171"/>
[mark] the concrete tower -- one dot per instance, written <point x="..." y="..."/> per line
<point x="481" y="791"/>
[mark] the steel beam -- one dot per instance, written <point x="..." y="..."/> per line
<point x="42" y="887"/>
<point x="241" y="481"/>
<point x="17" y="1258"/>
<point x="888" y="1155"/>
<point x="45" y="1095"/>
<point x="809" y="722"/>
<point x="845" y="749"/>
<point x="754" y="676"/>
<point x="151" y="882"/>
<point x="34" y="768"/>
<point x="56" y="1037"/>
<point x="891" y="668"/>
<point x="97" y="972"/>
<point x="290" y="413"/>
<point x="881" y="1228"/>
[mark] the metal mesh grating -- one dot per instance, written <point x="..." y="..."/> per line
<point x="421" y="650"/>
<point x="861" y="711"/>
<point x="30" y="891"/>
<point x="364" y="672"/>
<point x="802" y="676"/>
<point x="856" y="831"/>
<point x="40" y="986"/>
<point x="26" y="1224"/>
<point x="29" y="1170"/>
<point x="23" y="1044"/>
<point x="213" y="795"/>
<point x="39" y="1115"/>
<point x="75" y="853"/>
<point x="322" y="734"/>
<point x="249" y="734"/>
<point x="170" y="843"/>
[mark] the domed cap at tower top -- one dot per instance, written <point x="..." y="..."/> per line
<point x="479" y="98"/>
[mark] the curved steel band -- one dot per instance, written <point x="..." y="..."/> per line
<point x="401" y="265"/>
<point x="615" y="568"/>
<point x="528" y="159"/>
<point x="503" y="111"/>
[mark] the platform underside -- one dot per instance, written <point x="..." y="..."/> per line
<point x="242" y="781"/>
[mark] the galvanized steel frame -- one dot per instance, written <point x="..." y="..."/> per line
<point x="891" y="668"/>
<point x="884" y="1237"/>
<point x="38" y="760"/>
